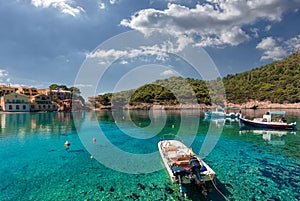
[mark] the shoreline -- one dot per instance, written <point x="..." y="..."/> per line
<point x="248" y="105"/>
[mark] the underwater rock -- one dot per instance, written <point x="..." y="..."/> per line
<point x="83" y="192"/>
<point x="111" y="189"/>
<point x="169" y="190"/>
<point x="141" y="186"/>
<point x="100" y="188"/>
<point x="133" y="196"/>
<point x="263" y="192"/>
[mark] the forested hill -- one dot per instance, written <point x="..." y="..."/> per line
<point x="278" y="82"/>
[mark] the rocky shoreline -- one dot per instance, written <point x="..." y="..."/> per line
<point x="248" y="105"/>
<point x="266" y="105"/>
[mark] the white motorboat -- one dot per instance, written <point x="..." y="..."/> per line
<point x="184" y="166"/>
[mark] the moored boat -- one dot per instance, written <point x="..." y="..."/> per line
<point x="218" y="113"/>
<point x="184" y="166"/>
<point x="267" y="121"/>
<point x="221" y="113"/>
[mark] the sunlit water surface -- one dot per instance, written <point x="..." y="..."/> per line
<point x="35" y="165"/>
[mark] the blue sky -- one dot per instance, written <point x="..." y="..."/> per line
<point x="47" y="41"/>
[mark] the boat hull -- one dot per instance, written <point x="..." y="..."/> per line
<point x="208" y="175"/>
<point x="269" y="125"/>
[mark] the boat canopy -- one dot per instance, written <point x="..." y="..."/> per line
<point x="278" y="112"/>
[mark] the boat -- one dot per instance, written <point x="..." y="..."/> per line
<point x="184" y="166"/>
<point x="221" y="113"/>
<point x="233" y="115"/>
<point x="218" y="113"/>
<point x="269" y="122"/>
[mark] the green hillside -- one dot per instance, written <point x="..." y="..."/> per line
<point x="278" y="82"/>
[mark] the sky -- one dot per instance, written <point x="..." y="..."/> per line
<point x="53" y="41"/>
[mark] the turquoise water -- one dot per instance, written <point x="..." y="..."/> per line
<point x="35" y="165"/>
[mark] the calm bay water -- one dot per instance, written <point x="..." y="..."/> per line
<point x="250" y="164"/>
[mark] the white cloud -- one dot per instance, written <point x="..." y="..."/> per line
<point x="113" y="1"/>
<point x="124" y="62"/>
<point x="167" y="73"/>
<point x="83" y="85"/>
<point x="271" y="50"/>
<point x="102" y="5"/>
<point x="255" y="32"/>
<point x="266" y="43"/>
<point x="107" y="56"/>
<point x="276" y="48"/>
<point x="4" y="79"/>
<point x="293" y="44"/>
<point x="3" y="73"/>
<point x="213" y="23"/>
<point x="268" y="28"/>
<point x="65" y="6"/>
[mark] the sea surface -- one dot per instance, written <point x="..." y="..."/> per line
<point x="114" y="156"/>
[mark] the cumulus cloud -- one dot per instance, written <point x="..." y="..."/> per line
<point x="65" y="6"/>
<point x="167" y="73"/>
<point x="213" y="23"/>
<point x="293" y="44"/>
<point x="276" y="48"/>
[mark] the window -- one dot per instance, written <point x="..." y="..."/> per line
<point x="24" y="107"/>
<point x="17" y="107"/>
<point x="10" y="107"/>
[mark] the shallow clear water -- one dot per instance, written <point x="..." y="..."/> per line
<point x="35" y="165"/>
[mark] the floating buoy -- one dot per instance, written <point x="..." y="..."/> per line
<point x="91" y="157"/>
<point x="173" y="126"/>
<point x="94" y="140"/>
<point x="67" y="144"/>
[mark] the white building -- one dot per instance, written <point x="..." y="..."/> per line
<point x="15" y="102"/>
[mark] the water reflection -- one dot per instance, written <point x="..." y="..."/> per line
<point x="45" y="122"/>
<point x="272" y="137"/>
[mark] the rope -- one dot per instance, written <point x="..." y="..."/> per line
<point x="212" y="180"/>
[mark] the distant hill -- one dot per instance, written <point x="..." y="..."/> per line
<point x="278" y="82"/>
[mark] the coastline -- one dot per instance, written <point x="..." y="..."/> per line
<point x="248" y="105"/>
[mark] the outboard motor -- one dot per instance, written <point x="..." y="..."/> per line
<point x="179" y="172"/>
<point x="195" y="169"/>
